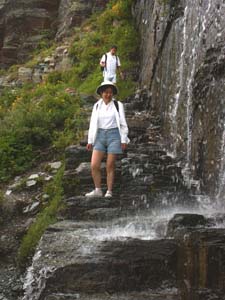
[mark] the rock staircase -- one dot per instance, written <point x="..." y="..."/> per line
<point x="97" y="249"/>
<point x="143" y="174"/>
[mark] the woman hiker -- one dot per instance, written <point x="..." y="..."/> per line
<point x="107" y="135"/>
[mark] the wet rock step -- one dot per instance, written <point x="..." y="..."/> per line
<point x="146" y="148"/>
<point x="97" y="214"/>
<point x="150" y="295"/>
<point x="146" y="170"/>
<point x="138" y="123"/>
<point x="79" y="181"/>
<point x="74" y="190"/>
<point x="87" y="259"/>
<point x="83" y="208"/>
<point x="122" y="205"/>
<point x="76" y="154"/>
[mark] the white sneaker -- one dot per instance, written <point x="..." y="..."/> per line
<point x="94" y="193"/>
<point x="108" y="194"/>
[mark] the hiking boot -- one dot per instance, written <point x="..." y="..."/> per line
<point x="108" y="194"/>
<point x="94" y="193"/>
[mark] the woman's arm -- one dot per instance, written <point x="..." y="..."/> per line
<point x="123" y="125"/>
<point x="92" y="126"/>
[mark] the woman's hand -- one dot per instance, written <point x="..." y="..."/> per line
<point x="89" y="147"/>
<point x="123" y="146"/>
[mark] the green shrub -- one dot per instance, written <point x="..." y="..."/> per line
<point x="33" y="119"/>
<point x="54" y="77"/>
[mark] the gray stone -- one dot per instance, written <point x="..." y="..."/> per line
<point x="30" y="183"/>
<point x="185" y="221"/>
<point x="55" y="165"/>
<point x="33" y="176"/>
<point x="31" y="208"/>
<point x="25" y="74"/>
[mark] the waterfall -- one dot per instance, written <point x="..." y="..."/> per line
<point x="191" y="51"/>
<point x="180" y="82"/>
<point x="221" y="187"/>
<point x="203" y="18"/>
<point x="34" y="284"/>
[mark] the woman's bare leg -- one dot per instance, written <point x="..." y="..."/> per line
<point x="96" y="160"/>
<point x="110" y="169"/>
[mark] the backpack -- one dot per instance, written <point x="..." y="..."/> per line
<point x="102" y="68"/>
<point x="115" y="103"/>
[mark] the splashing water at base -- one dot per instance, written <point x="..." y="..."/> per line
<point x="34" y="285"/>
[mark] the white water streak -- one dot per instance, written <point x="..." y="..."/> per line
<point x="180" y="82"/>
<point x="34" y="284"/>
<point x="197" y="43"/>
<point x="222" y="168"/>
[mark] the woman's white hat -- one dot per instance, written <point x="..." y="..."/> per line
<point x="105" y="84"/>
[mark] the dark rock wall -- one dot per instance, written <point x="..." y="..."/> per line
<point x="183" y="64"/>
<point x="23" y="23"/>
<point x="72" y="12"/>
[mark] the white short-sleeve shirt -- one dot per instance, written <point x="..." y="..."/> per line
<point x="112" y="63"/>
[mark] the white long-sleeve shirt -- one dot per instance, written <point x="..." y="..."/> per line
<point x="120" y="122"/>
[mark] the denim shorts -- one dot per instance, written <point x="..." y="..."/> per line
<point x="108" y="141"/>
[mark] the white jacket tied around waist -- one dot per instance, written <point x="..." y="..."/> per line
<point x="120" y="120"/>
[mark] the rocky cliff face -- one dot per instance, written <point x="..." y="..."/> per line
<point x="183" y="65"/>
<point x="24" y="23"/>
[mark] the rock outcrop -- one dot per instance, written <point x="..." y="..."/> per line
<point x="24" y="23"/>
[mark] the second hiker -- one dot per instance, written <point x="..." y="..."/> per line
<point x="110" y="64"/>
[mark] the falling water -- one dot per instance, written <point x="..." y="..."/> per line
<point x="190" y="51"/>
<point x="193" y="52"/>
<point x="221" y="183"/>
<point x="220" y="189"/>
<point x="33" y="284"/>
<point x="203" y="18"/>
<point x="180" y="82"/>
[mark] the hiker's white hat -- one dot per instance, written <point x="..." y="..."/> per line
<point x="106" y="84"/>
